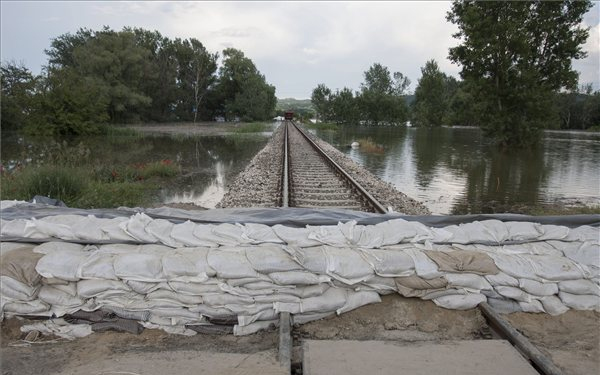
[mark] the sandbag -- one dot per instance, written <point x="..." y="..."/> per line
<point x="469" y="281"/>
<point x="98" y="266"/>
<point x="459" y="301"/>
<point x="267" y="259"/>
<point x="463" y="261"/>
<point x="259" y="233"/>
<point x="35" y="307"/>
<point x="19" y="265"/>
<point x="54" y="296"/>
<point x="331" y="300"/>
<point x="580" y="302"/>
<point x="16" y="290"/>
<point x="580" y="286"/>
<point x="230" y="263"/>
<point x="294" y="236"/>
<point x="357" y="299"/>
<point x="298" y="278"/>
<point x="538" y="289"/>
<point x="391" y="261"/>
<point x="62" y="264"/>
<point x="92" y="288"/>
<point x="533" y="306"/>
<point x="553" y="305"/>
<point x="191" y="234"/>
<point x="416" y="282"/>
<point x="139" y="267"/>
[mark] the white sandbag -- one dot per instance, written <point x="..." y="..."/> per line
<point x="244" y="280"/>
<point x="313" y="259"/>
<point x="217" y="300"/>
<point x="357" y="299"/>
<point x="580" y="302"/>
<point x="514" y="293"/>
<point x="391" y="261"/>
<point x="270" y="314"/>
<point x="459" y="301"/>
<point x="62" y="264"/>
<point x="294" y="236"/>
<point x="178" y="312"/>
<point x="327" y="234"/>
<point x="254" y="327"/>
<point x="424" y="266"/>
<point x="347" y="265"/>
<point x="241" y="291"/>
<point x="139" y="267"/>
<point x="212" y="312"/>
<point x="469" y="281"/>
<point x="4" y="204"/>
<point x="502" y="279"/>
<point x="248" y="309"/>
<point x="298" y="278"/>
<point x="68" y="288"/>
<point x="161" y="229"/>
<point x="272" y="258"/>
<point x="379" y="284"/>
<point x="580" y="286"/>
<point x="174" y="330"/>
<point x="35" y="307"/>
<point x="19" y="229"/>
<point x="279" y="297"/>
<point x="555" y="268"/>
<point x="174" y="298"/>
<point x="396" y="231"/>
<point x="259" y="233"/>
<point x="534" y="306"/>
<point x="553" y="305"/>
<point x="92" y="288"/>
<point x="496" y="230"/>
<point x="58" y="226"/>
<point x="60" y="328"/>
<point x="194" y="289"/>
<point x="205" y="232"/>
<point x="16" y="290"/>
<point x="114" y="230"/>
<point x="57" y="246"/>
<point x="143" y="287"/>
<point x="587" y="252"/>
<point x="177" y="264"/>
<point x="184" y="234"/>
<point x="54" y="296"/>
<point x="554" y="232"/>
<point x="538" y="289"/>
<point x="230" y="263"/>
<point x="229" y="234"/>
<point x="523" y="231"/>
<point x="351" y="231"/>
<point x="136" y="228"/>
<point x="331" y="300"/>
<point x="293" y="308"/>
<point x="306" y="291"/>
<point x="98" y="266"/>
<point x="88" y="228"/>
<point x="266" y="285"/>
<point x="584" y="233"/>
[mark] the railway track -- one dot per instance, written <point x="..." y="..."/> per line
<point x="312" y="179"/>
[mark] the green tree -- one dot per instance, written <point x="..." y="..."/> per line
<point x="321" y="98"/>
<point x="381" y="97"/>
<point x="239" y="79"/>
<point x="431" y="101"/>
<point x="515" y="56"/>
<point x="344" y="108"/>
<point x="17" y="86"/>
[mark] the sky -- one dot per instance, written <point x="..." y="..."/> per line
<point x="296" y="45"/>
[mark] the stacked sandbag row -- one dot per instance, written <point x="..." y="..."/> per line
<point x="252" y="272"/>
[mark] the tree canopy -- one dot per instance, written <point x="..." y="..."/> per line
<point x="515" y="57"/>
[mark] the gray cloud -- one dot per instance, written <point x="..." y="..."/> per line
<point x="296" y="45"/>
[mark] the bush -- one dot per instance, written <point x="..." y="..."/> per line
<point x="253" y="127"/>
<point x="110" y="194"/>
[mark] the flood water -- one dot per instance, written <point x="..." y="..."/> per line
<point x="208" y="163"/>
<point x="459" y="171"/>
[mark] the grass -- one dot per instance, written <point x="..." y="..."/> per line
<point x="86" y="187"/>
<point x="321" y="126"/>
<point x="554" y="210"/>
<point x="367" y="145"/>
<point x="253" y="127"/>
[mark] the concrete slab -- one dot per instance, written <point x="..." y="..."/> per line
<point x="185" y="362"/>
<point x="469" y="357"/>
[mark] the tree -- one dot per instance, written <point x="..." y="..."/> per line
<point x="430" y="102"/>
<point x="381" y="97"/>
<point x="239" y="79"/>
<point x="17" y="86"/>
<point x="344" y="108"/>
<point x="321" y="100"/>
<point x="515" y="56"/>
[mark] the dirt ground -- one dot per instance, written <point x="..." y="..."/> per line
<point x="572" y="340"/>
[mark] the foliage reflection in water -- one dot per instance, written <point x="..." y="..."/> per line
<point x="458" y="171"/>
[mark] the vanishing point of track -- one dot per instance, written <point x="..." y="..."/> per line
<point x="312" y="179"/>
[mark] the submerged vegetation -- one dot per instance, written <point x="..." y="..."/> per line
<point x="72" y="175"/>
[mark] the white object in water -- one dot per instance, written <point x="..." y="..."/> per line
<point x="354" y="144"/>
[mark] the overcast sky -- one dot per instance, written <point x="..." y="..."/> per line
<point x="296" y="45"/>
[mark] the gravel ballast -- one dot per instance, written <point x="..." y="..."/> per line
<point x="258" y="185"/>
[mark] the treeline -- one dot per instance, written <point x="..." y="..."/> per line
<point x="381" y="100"/>
<point x="95" y="78"/>
<point x="516" y="76"/>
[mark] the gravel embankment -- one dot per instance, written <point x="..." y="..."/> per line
<point x="258" y="184"/>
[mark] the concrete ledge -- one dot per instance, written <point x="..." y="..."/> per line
<point x="469" y="357"/>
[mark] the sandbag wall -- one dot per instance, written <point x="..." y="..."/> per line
<point x="173" y="276"/>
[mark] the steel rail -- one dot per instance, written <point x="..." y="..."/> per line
<point x="285" y="185"/>
<point x="374" y="203"/>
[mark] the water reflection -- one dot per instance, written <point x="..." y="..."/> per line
<point x="458" y="171"/>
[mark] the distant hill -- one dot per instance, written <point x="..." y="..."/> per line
<point x="300" y="106"/>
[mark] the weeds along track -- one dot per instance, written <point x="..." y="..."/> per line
<point x="314" y="180"/>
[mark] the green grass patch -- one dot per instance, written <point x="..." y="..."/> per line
<point x="321" y="126"/>
<point x="89" y="187"/>
<point x="253" y="127"/>
<point x="368" y="145"/>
